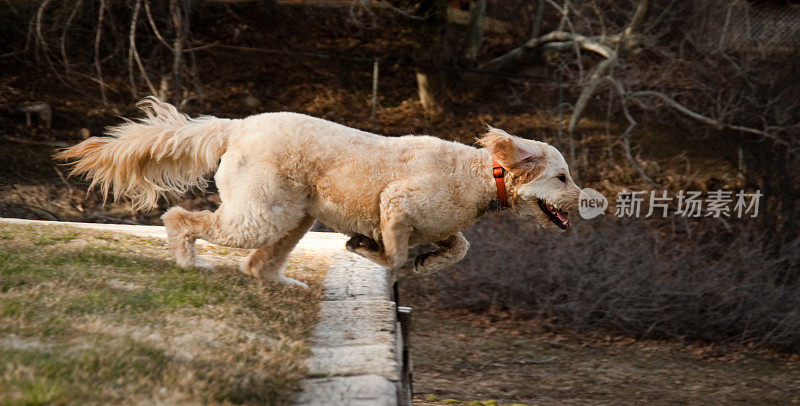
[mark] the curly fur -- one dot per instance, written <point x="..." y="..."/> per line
<point x="165" y="153"/>
<point x="278" y="172"/>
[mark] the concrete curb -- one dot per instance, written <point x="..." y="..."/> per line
<point x="357" y="344"/>
<point x="325" y="242"/>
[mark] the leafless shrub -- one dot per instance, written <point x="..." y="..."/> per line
<point x="681" y="280"/>
<point x="118" y="33"/>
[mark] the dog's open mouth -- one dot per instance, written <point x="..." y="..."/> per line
<point x="558" y="217"/>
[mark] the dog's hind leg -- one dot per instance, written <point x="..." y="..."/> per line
<point x="451" y="250"/>
<point x="183" y="228"/>
<point x="252" y="215"/>
<point x="253" y="226"/>
<point x="267" y="262"/>
<point x="244" y="230"/>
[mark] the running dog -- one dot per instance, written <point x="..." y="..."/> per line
<point x="278" y="172"/>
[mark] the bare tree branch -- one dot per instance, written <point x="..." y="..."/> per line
<point x="64" y="34"/>
<point x="626" y="136"/>
<point x="132" y="48"/>
<point x="704" y="119"/>
<point x="564" y="10"/>
<point x="135" y="53"/>
<point x="177" y="45"/>
<point x="193" y="72"/>
<point x="639" y="15"/>
<point x="154" y="27"/>
<point x="657" y="21"/>
<point x="594" y="80"/>
<point x="97" y="37"/>
<point x="537" y="23"/>
<point x="39" y="35"/>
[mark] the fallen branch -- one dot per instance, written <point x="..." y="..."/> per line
<point x="54" y="144"/>
<point x="517" y="56"/>
<point x="525" y="55"/>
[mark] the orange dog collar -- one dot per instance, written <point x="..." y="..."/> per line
<point x="499" y="174"/>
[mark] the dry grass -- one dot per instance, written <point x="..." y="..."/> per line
<point x="88" y="317"/>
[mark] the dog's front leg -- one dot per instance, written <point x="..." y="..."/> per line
<point x="392" y="251"/>
<point x="451" y="250"/>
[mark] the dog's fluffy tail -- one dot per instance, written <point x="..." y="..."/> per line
<point x="163" y="154"/>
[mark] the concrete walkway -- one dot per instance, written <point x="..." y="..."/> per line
<point x="356" y="344"/>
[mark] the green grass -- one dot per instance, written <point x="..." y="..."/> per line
<point x="87" y="317"/>
<point x="56" y="238"/>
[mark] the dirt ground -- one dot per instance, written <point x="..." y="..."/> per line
<point x="466" y="358"/>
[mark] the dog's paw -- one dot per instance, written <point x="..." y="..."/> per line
<point x="294" y="282"/>
<point x="183" y="262"/>
<point x="419" y="261"/>
<point x="420" y="267"/>
<point x="203" y="264"/>
<point x="362" y="242"/>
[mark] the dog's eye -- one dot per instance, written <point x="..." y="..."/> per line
<point x="562" y="178"/>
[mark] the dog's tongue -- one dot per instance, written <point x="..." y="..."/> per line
<point x="562" y="217"/>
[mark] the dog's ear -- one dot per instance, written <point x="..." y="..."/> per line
<point x="518" y="155"/>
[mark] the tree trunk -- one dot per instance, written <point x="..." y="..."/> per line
<point x="477" y="22"/>
<point x="430" y="38"/>
<point x="429" y="94"/>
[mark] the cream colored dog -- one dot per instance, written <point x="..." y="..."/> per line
<point x="277" y="172"/>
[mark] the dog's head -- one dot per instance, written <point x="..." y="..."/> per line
<point x="538" y="179"/>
